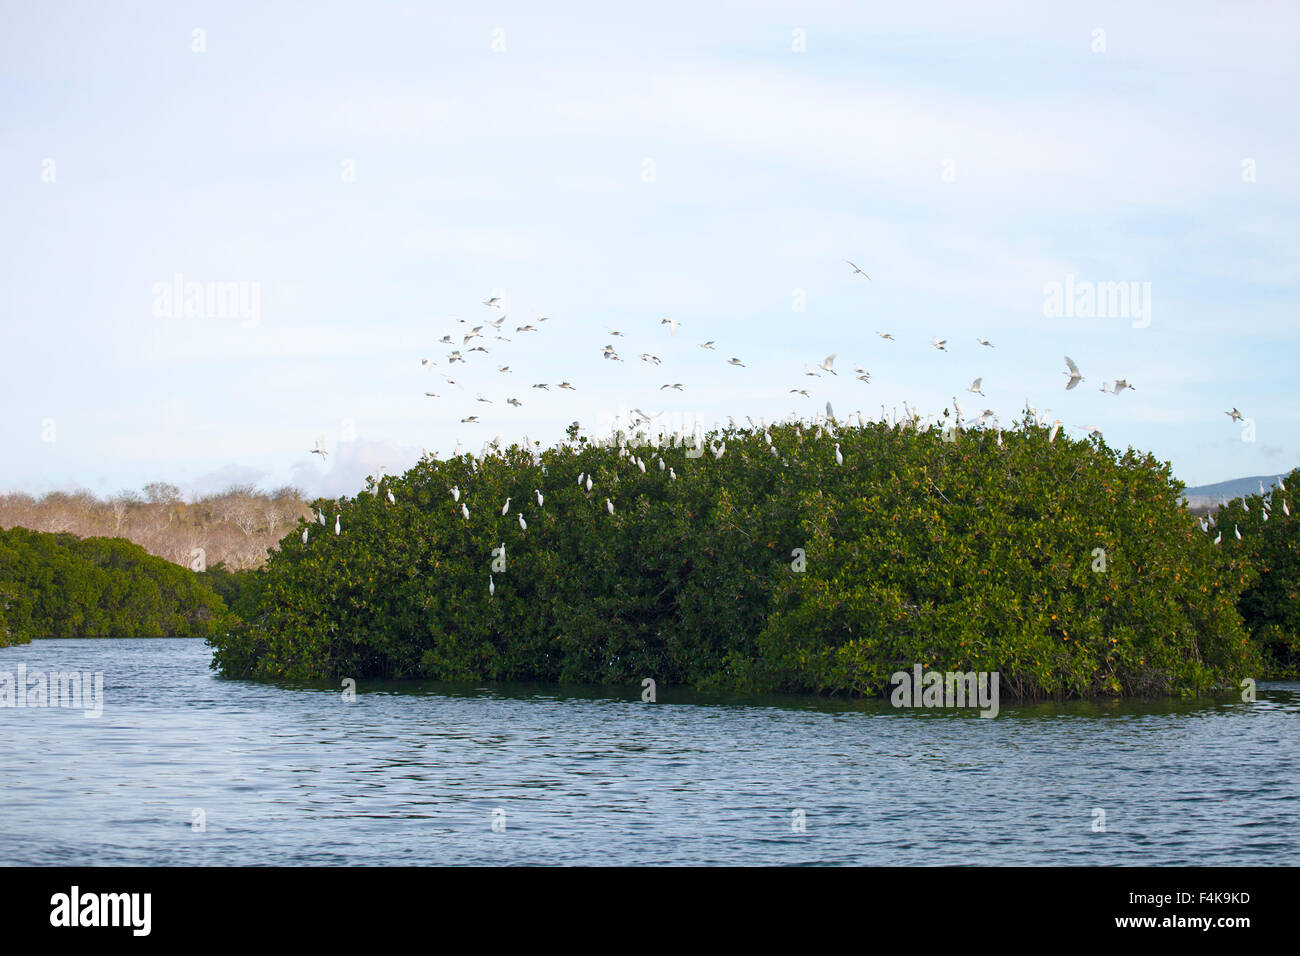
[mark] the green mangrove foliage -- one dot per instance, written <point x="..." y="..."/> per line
<point x="1270" y="546"/>
<point x="59" y="585"/>
<point x="1067" y="566"/>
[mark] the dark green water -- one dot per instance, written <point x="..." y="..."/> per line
<point x="413" y="774"/>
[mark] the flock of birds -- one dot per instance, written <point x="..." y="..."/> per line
<point x="462" y="350"/>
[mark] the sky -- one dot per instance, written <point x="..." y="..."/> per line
<point x="369" y="173"/>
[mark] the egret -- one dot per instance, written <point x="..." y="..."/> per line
<point x="492" y="586"/>
<point x="1237" y="532"/>
<point x="539" y="496"/>
<point x="464" y="510"/>
<point x="495" y="301"/>
<point x="455" y="492"/>
<point x="1121" y="384"/>
<point x="1056" y="427"/>
<point x="609" y="506"/>
<point x="320" y="516"/>
<point x="320" y="448"/>
<point x="391" y="499"/>
<point x="736" y="361"/>
<point x="672" y="474"/>
<point x="568" y="386"/>
<point x="885" y="335"/>
<point x="800" y="391"/>
<point x="304" y="535"/>
<point x="839" y="458"/>
<point x="975" y="386"/>
<point x="523" y="525"/>
<point x="1285" y="510"/>
<point x="506" y="507"/>
<point x="719" y="450"/>
<point x="674" y="385"/>
<point x="707" y="345"/>
<point x="1073" y="372"/>
<point x="338" y="525"/>
<point x="985" y="342"/>
<point x="589" y="482"/>
<point x="543" y="386"/>
<point x="829" y="361"/>
<point x="471" y="418"/>
<point x="1218" y="537"/>
<point x="857" y="271"/>
<point x="938" y="343"/>
<point x="672" y="324"/>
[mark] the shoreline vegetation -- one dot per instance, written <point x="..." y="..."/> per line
<point x="755" y="562"/>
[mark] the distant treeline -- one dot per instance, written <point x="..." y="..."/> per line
<point x="59" y="585"/>
<point x="1067" y="566"/>
<point x="234" y="529"/>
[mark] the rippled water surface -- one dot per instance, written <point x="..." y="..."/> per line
<point x="411" y="774"/>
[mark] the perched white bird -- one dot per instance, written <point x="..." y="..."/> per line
<point x="719" y="450"/>
<point x="523" y="525"/>
<point x="492" y="586"/>
<point x="1237" y="532"/>
<point x="506" y="507"/>
<point x="839" y="458"/>
<point x="1218" y="537"/>
<point x="589" y="482"/>
<point x="320" y="516"/>
<point x="539" y="496"/>
<point x="1285" y="510"/>
<point x="338" y="525"/>
<point x="609" y="506"/>
<point x="672" y="474"/>
<point x="304" y="535"/>
<point x="455" y="493"/>
<point x="1056" y="427"/>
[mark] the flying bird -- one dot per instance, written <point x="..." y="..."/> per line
<point x="1234" y="414"/>
<point x="829" y="361"/>
<point x="885" y="335"/>
<point x="857" y="271"/>
<point x="707" y="345"/>
<point x="320" y="448"/>
<point x="985" y="342"/>
<point x="495" y="302"/>
<point x="736" y="361"/>
<point x="975" y="386"/>
<point x="938" y="343"/>
<point x="672" y="324"/>
<point x="1073" y="372"/>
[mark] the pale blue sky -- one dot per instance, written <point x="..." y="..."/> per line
<point x="523" y="171"/>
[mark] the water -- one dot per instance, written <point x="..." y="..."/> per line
<point x="412" y="775"/>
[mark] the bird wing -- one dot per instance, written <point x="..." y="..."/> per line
<point x="1069" y="363"/>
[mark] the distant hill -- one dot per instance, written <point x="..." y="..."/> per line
<point x="1209" y="496"/>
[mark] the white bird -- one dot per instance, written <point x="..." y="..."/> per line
<point x="640" y="464"/>
<point x="984" y="342"/>
<point x="938" y="343"/>
<point x="1285" y="510"/>
<point x="1056" y="427"/>
<point x="609" y="506"/>
<point x="736" y="361"/>
<point x="338" y="526"/>
<point x="464" y="510"/>
<point x="707" y="345"/>
<point x="391" y="499"/>
<point x="672" y="324"/>
<point x="495" y="301"/>
<point x="1218" y="537"/>
<point x="839" y="458"/>
<point x="857" y="271"/>
<point x="719" y="450"/>
<point x="826" y="365"/>
<point x="455" y="493"/>
<point x="672" y="474"/>
<point x="885" y="335"/>
<point x="492" y="586"/>
<point x="304" y="535"/>
<point x="1073" y="372"/>
<point x="1121" y="384"/>
<point x="320" y="516"/>
<point x="1236" y="532"/>
<point x="589" y="482"/>
<point x="539" y="496"/>
<point x="320" y="448"/>
<point x="523" y="525"/>
<point x="506" y="507"/>
<point x="975" y="386"/>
